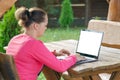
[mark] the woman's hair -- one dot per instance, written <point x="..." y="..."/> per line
<point x="26" y="16"/>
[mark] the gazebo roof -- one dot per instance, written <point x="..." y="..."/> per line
<point x="5" y="5"/>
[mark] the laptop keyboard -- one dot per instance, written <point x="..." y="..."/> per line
<point x="85" y="61"/>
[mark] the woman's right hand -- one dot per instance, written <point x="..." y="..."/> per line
<point x="79" y="57"/>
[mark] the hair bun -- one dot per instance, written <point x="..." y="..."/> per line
<point x="27" y="13"/>
<point x="22" y="14"/>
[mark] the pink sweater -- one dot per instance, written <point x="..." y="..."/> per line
<point x="30" y="55"/>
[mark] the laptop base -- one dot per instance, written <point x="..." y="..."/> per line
<point x="85" y="61"/>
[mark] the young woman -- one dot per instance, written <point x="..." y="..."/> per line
<point x="30" y="54"/>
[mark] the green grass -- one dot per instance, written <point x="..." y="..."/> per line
<point x="41" y="77"/>
<point x="55" y="34"/>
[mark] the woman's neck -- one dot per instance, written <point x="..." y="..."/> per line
<point x="31" y="33"/>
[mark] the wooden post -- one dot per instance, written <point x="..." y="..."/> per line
<point x="114" y="10"/>
<point x="87" y="11"/>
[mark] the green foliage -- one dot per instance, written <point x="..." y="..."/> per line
<point x="8" y="28"/>
<point x="53" y="11"/>
<point x="26" y="3"/>
<point x="41" y="77"/>
<point x="66" y="16"/>
<point x="97" y="18"/>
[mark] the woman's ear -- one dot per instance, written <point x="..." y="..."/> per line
<point x="35" y="26"/>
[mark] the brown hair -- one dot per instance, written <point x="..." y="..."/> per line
<point x="26" y="16"/>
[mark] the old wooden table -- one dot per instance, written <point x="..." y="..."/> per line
<point x="109" y="62"/>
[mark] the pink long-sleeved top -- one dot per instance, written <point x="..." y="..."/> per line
<point x="30" y="55"/>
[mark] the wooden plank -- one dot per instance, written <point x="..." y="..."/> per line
<point x="103" y="63"/>
<point x="114" y="10"/>
<point x="62" y="45"/>
<point x="86" y="78"/>
<point x="49" y="72"/>
<point x="76" y="74"/>
<point x="66" y="76"/>
<point x="87" y="11"/>
<point x="96" y="77"/>
<point x="109" y="49"/>
<point x="115" y="76"/>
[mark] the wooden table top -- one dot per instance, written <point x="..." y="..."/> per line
<point x="109" y="58"/>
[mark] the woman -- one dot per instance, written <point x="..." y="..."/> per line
<point x="30" y="54"/>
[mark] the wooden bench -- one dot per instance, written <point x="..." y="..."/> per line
<point x="7" y="68"/>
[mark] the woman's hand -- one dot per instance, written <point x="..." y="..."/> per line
<point x="79" y="57"/>
<point x="61" y="52"/>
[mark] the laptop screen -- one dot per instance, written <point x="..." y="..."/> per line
<point x="89" y="43"/>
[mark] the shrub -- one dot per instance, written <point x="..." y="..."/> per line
<point x="8" y="28"/>
<point x="66" y="16"/>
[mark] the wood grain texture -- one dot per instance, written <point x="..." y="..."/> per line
<point x="114" y="10"/>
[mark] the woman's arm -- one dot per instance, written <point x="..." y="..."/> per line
<point x="43" y="55"/>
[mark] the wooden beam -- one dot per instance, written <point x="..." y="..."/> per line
<point x="87" y="11"/>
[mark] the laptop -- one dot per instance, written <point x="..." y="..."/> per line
<point x="89" y="45"/>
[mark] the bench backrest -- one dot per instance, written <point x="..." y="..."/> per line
<point x="7" y="68"/>
<point x="111" y="31"/>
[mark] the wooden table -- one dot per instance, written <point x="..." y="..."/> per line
<point x="109" y="62"/>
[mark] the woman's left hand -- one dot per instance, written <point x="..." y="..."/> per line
<point x="61" y="52"/>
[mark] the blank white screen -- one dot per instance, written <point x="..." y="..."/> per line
<point x="89" y="42"/>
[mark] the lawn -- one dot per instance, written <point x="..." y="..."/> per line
<point x="55" y="34"/>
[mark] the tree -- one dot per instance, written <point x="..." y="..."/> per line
<point x="8" y="28"/>
<point x="66" y="16"/>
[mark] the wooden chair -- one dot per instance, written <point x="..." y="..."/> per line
<point x="111" y="31"/>
<point x="7" y="68"/>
